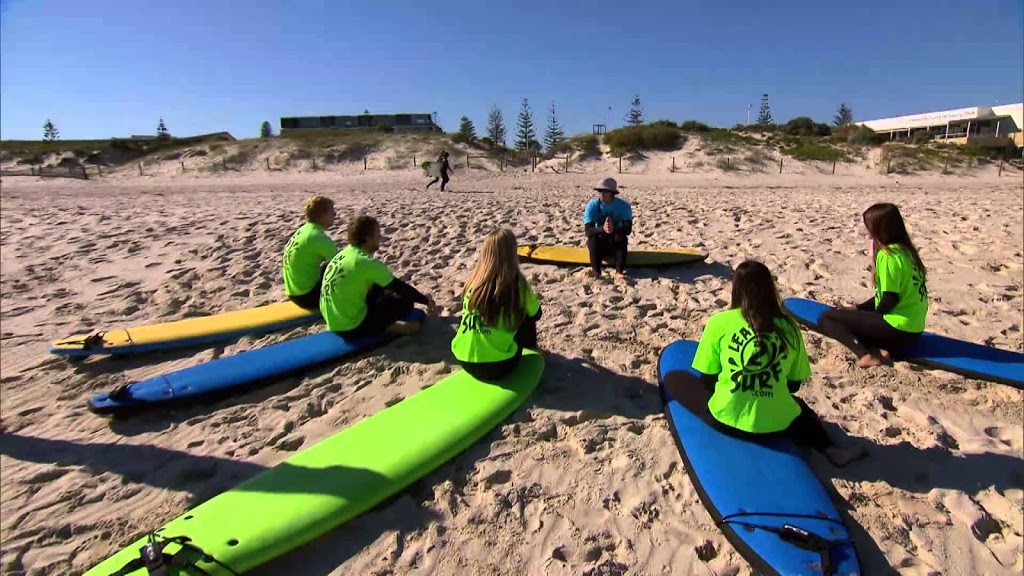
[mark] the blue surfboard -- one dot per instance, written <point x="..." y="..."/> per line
<point x="933" y="351"/>
<point x="754" y="489"/>
<point x="231" y="373"/>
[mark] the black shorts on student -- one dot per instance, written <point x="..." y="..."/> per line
<point x="383" y="308"/>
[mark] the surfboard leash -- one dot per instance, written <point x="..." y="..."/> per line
<point x="153" y="558"/>
<point x="795" y="535"/>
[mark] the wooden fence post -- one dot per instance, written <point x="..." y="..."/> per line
<point x="620" y="164"/>
<point x="414" y="161"/>
<point x="1000" y="166"/>
<point x="780" y="164"/>
<point x="673" y="163"/>
<point x="888" y="166"/>
<point x="182" y="162"/>
<point x="140" y="168"/>
<point x="945" y="167"/>
<point x="467" y="160"/>
<point x="833" y="167"/>
<point x="85" y="175"/>
<point x="314" y="162"/>
<point x="268" y="162"/>
<point x="567" y="163"/>
<point x="99" y="170"/>
<point x="364" y="162"/>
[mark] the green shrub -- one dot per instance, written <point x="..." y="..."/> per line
<point x="384" y="128"/>
<point x="725" y="164"/>
<point x="813" y="152"/>
<point x="804" y="126"/>
<point x="694" y="126"/>
<point x="637" y="138"/>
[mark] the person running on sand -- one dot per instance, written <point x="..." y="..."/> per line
<point x="307" y="253"/>
<point x="499" y="311"/>
<point x="608" y="222"/>
<point x="895" y="316"/>
<point x="361" y="296"/>
<point x="443" y="172"/>
<point x="752" y="359"/>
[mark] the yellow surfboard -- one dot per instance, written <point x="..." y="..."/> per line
<point x="188" y="332"/>
<point x="580" y="256"/>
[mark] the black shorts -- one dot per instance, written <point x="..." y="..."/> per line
<point x="383" y="308"/>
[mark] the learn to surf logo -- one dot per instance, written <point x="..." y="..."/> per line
<point x="757" y="362"/>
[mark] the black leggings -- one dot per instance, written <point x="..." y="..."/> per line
<point x="443" y="178"/>
<point x="526" y="337"/>
<point x="383" y="308"/>
<point x="690" y="391"/>
<point x="311" y="300"/>
<point x="861" y="330"/>
<point x="602" y="245"/>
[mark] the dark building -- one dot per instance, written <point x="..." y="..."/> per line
<point x="399" y="122"/>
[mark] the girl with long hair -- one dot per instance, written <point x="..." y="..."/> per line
<point x="895" y="316"/>
<point x="752" y="359"/>
<point x="499" y="311"/>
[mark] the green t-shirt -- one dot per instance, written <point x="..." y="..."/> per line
<point x="896" y="271"/>
<point x="348" y="279"/>
<point x="751" y="393"/>
<point x="475" y="342"/>
<point x="307" y="248"/>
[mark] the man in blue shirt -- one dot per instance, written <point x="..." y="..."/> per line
<point x="608" y="221"/>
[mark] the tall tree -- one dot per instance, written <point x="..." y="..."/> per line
<point x="50" y="132"/>
<point x="525" y="132"/>
<point x="764" y="115"/>
<point x="433" y="118"/>
<point x="554" y="133"/>
<point x="635" y="116"/>
<point x="844" y="115"/>
<point x="467" y="132"/>
<point x="161" y="129"/>
<point x="496" y="126"/>
<point x="265" y="130"/>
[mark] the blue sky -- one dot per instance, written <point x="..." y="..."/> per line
<point x="112" y="68"/>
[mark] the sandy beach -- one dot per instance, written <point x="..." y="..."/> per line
<point x="584" y="478"/>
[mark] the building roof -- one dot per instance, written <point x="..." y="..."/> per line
<point x="1015" y="111"/>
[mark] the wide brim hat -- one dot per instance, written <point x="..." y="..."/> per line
<point x="608" y="185"/>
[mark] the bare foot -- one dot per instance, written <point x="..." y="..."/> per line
<point x="841" y="456"/>
<point x="885" y="356"/>
<point x="404" y="328"/>
<point x="869" y="361"/>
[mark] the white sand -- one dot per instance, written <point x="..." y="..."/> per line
<point x="585" y="477"/>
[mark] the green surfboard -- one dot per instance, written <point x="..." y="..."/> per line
<point x="339" y="478"/>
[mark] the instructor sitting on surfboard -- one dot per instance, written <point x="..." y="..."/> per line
<point x="894" y="317"/>
<point x="499" y="312"/>
<point x="307" y="253"/>
<point x="608" y="221"/>
<point x="361" y="296"/>
<point x="753" y="359"/>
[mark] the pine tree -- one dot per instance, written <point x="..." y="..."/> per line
<point x="161" y="129"/>
<point x="525" y="132"/>
<point x="467" y="132"/>
<point x="764" y="115"/>
<point x="635" y="116"/>
<point x="554" y="134"/>
<point x="844" y="115"/>
<point x="50" y="132"/>
<point x="265" y="130"/>
<point x="496" y="126"/>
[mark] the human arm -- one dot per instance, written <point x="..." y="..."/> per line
<point x="801" y="368"/>
<point x="888" y="278"/>
<point x="405" y="290"/>
<point x="707" y="359"/>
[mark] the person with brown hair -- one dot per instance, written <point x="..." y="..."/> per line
<point x="752" y="360"/>
<point x="499" y="311"/>
<point x="361" y="296"/>
<point x="895" y="316"/>
<point x="307" y="253"/>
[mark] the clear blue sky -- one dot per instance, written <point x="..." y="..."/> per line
<point x="111" y="68"/>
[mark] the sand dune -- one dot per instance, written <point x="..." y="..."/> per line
<point x="585" y="477"/>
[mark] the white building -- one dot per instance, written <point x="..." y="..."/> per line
<point x="979" y="125"/>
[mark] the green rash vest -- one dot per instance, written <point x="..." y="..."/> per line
<point x="308" y="247"/>
<point x="477" y="343"/>
<point x="896" y="271"/>
<point x="751" y="392"/>
<point x="349" y="277"/>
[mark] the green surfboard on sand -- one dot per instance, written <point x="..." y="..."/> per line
<point x="339" y="478"/>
